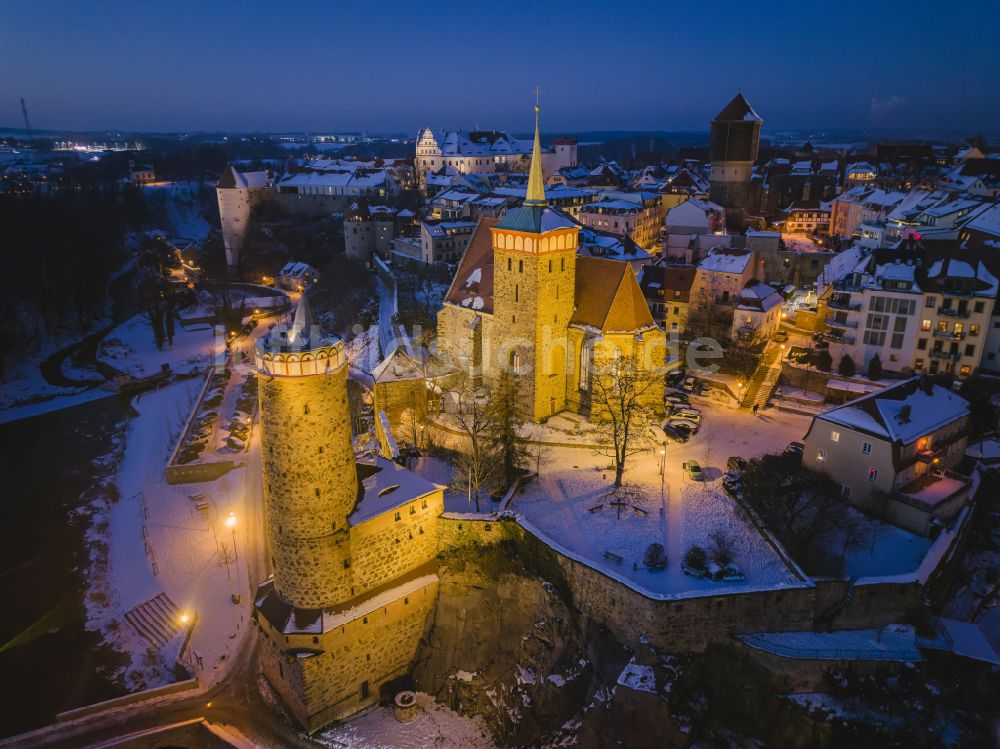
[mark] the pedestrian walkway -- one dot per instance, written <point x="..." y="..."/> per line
<point x="765" y="378"/>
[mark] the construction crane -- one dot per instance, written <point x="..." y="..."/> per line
<point x="27" y="125"/>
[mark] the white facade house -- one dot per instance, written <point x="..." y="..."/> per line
<point x="892" y="452"/>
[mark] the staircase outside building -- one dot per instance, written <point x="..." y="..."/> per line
<point x="765" y="378"/>
<point x="157" y="620"/>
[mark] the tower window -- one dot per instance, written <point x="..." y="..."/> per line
<point x="520" y="266"/>
<point x="305" y="410"/>
<point x="516" y="293"/>
<point x="510" y="263"/>
<point x="320" y="449"/>
<point x="317" y="491"/>
<point x="550" y="266"/>
<point x="397" y="516"/>
<point x="562" y="263"/>
<point x="347" y="564"/>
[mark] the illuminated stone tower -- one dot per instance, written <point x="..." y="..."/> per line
<point x="733" y="144"/>
<point x="534" y="267"/>
<point x="310" y="480"/>
<point x="353" y="543"/>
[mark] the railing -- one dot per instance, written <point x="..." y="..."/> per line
<point x="946" y="334"/>
<point x="963" y="313"/>
<point x="834" y="322"/>
<point x="843" y="304"/>
<point x="946" y="355"/>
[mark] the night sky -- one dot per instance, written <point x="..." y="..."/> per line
<point x="394" y="67"/>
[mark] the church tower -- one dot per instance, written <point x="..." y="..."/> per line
<point x="733" y="144"/>
<point x="534" y="267"/>
<point x="310" y="480"/>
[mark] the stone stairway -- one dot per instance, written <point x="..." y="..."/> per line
<point x="764" y="379"/>
<point x="157" y="620"/>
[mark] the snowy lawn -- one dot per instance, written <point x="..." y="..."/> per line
<point x="130" y="348"/>
<point x="568" y="503"/>
<point x="892" y="551"/>
<point x="435" y="727"/>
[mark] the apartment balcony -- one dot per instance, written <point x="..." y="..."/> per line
<point x="944" y="355"/>
<point x="843" y="304"/>
<point x="949" y="336"/>
<point x="963" y="313"/>
<point x="845" y="339"/>
<point x="833" y="322"/>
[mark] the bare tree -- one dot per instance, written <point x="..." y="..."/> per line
<point x="620" y="398"/>
<point x="477" y="463"/>
<point x="506" y="421"/>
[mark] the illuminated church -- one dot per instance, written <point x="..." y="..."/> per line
<point x="523" y="298"/>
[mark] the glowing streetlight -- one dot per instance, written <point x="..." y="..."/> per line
<point x="231" y="524"/>
<point x="185" y="618"/>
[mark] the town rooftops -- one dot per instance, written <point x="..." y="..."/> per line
<point x="674" y="280"/>
<point x="759" y="296"/>
<point x="900" y="413"/>
<point x="726" y="261"/>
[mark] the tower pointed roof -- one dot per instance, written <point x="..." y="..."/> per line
<point x="536" y="184"/>
<point x="302" y="323"/>
<point x="737" y="109"/>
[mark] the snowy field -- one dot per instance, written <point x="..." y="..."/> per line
<point x="435" y="727"/>
<point x="130" y="347"/>
<point x="568" y="504"/>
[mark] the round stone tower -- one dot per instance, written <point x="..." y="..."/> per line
<point x="310" y="478"/>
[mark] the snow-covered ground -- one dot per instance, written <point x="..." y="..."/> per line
<point x="569" y="506"/>
<point x="154" y="540"/>
<point x="130" y="347"/>
<point x="891" y="551"/>
<point x="435" y="727"/>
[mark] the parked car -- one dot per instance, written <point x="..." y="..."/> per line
<point x="693" y="470"/>
<point x="736" y="463"/>
<point x="676" y="398"/>
<point x="676" y="434"/>
<point x="674" y="376"/>
<point x="781" y="336"/>
<point x="691" y="426"/>
<point x="683" y="412"/>
<point x="795" y="448"/>
<point x="688" y="385"/>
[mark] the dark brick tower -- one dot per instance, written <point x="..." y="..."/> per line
<point x="735" y="138"/>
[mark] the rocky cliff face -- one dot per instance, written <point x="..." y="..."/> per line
<point x="505" y="642"/>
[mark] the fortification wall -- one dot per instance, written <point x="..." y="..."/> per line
<point x="691" y="623"/>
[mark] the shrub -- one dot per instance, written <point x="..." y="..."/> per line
<point x="875" y="368"/>
<point x="655" y="557"/>
<point x="846" y="366"/>
<point x="696" y="558"/>
<point x="823" y="360"/>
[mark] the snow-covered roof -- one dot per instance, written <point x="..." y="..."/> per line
<point x="901" y="413"/>
<point x="386" y="486"/>
<point x="726" y="261"/>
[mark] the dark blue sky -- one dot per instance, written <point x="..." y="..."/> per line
<point x="393" y="66"/>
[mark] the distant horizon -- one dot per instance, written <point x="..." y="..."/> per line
<point x="252" y="67"/>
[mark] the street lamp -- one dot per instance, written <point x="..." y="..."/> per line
<point x="184" y="618"/>
<point x="231" y="523"/>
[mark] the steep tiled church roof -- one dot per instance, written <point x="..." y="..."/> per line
<point x="608" y="296"/>
<point x="472" y="286"/>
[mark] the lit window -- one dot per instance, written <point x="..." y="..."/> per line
<point x="925" y="324"/>
<point x="866" y="448"/>
<point x="821" y="456"/>
<point x="872" y="474"/>
<point x="834" y="436"/>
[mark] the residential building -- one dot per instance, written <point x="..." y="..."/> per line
<point x="758" y="312"/>
<point x="807" y="217"/>
<point x="667" y="289"/>
<point x="368" y="229"/>
<point x="891" y="452"/>
<point x="696" y="216"/>
<point x="295" y="276"/>
<point x="639" y="215"/>
<point x="444" y="241"/>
